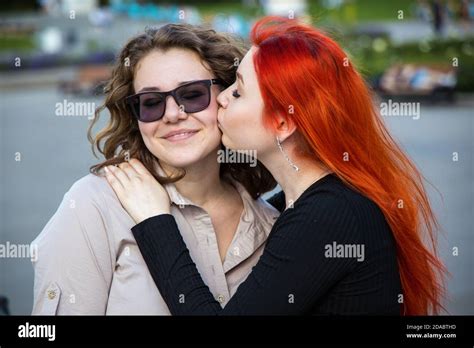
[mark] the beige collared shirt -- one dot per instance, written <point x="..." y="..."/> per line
<point x="89" y="263"/>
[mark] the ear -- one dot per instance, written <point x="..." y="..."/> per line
<point x="285" y="127"/>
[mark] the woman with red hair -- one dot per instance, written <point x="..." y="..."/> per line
<point x="350" y="237"/>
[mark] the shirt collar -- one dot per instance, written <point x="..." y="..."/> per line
<point x="175" y="197"/>
<point x="255" y="224"/>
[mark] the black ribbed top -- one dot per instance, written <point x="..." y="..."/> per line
<point x="331" y="253"/>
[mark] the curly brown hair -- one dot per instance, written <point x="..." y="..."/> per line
<point x="121" y="138"/>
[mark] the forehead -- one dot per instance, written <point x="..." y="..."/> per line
<point x="246" y="67"/>
<point x="166" y="69"/>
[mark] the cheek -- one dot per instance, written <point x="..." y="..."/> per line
<point x="207" y="119"/>
<point x="244" y="116"/>
<point x="147" y="130"/>
<point x="242" y="126"/>
<point x="236" y="116"/>
<point x="209" y="115"/>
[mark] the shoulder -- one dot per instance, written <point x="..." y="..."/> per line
<point x="92" y="192"/>
<point x="85" y="207"/>
<point x="91" y="187"/>
<point x="89" y="218"/>
<point x="334" y="193"/>
<point x="331" y="190"/>
<point x="333" y="205"/>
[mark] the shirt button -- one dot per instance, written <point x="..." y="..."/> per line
<point x="220" y="298"/>
<point x="51" y="294"/>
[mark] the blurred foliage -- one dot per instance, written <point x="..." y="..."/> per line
<point x="230" y="7"/>
<point x="17" y="43"/>
<point x="356" y="11"/>
<point x="372" y="56"/>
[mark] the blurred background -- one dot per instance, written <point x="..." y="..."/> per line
<point x="56" y="54"/>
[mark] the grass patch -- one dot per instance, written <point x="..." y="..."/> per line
<point x="17" y="43"/>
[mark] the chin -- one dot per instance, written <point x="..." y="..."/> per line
<point x="183" y="160"/>
<point x="228" y="144"/>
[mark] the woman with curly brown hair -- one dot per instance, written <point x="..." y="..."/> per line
<point x="163" y="111"/>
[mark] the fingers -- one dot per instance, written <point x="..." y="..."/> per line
<point x="119" y="175"/>
<point x="139" y="167"/>
<point x="113" y="180"/>
<point x="128" y="170"/>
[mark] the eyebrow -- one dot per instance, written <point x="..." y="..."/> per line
<point x="240" y="77"/>
<point x="144" y="89"/>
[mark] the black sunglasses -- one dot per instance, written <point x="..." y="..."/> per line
<point x="192" y="97"/>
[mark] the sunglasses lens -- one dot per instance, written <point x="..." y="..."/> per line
<point x="194" y="97"/>
<point x="149" y="107"/>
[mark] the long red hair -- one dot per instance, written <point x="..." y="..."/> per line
<point x="307" y="78"/>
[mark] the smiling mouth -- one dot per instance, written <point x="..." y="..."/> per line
<point x="180" y="136"/>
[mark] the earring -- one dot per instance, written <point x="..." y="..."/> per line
<point x="294" y="166"/>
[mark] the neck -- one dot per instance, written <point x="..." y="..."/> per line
<point x="292" y="182"/>
<point x="202" y="182"/>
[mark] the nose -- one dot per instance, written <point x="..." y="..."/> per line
<point x="173" y="111"/>
<point x="222" y="99"/>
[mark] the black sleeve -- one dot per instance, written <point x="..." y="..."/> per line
<point x="289" y="278"/>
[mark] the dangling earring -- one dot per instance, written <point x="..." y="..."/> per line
<point x="294" y="166"/>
